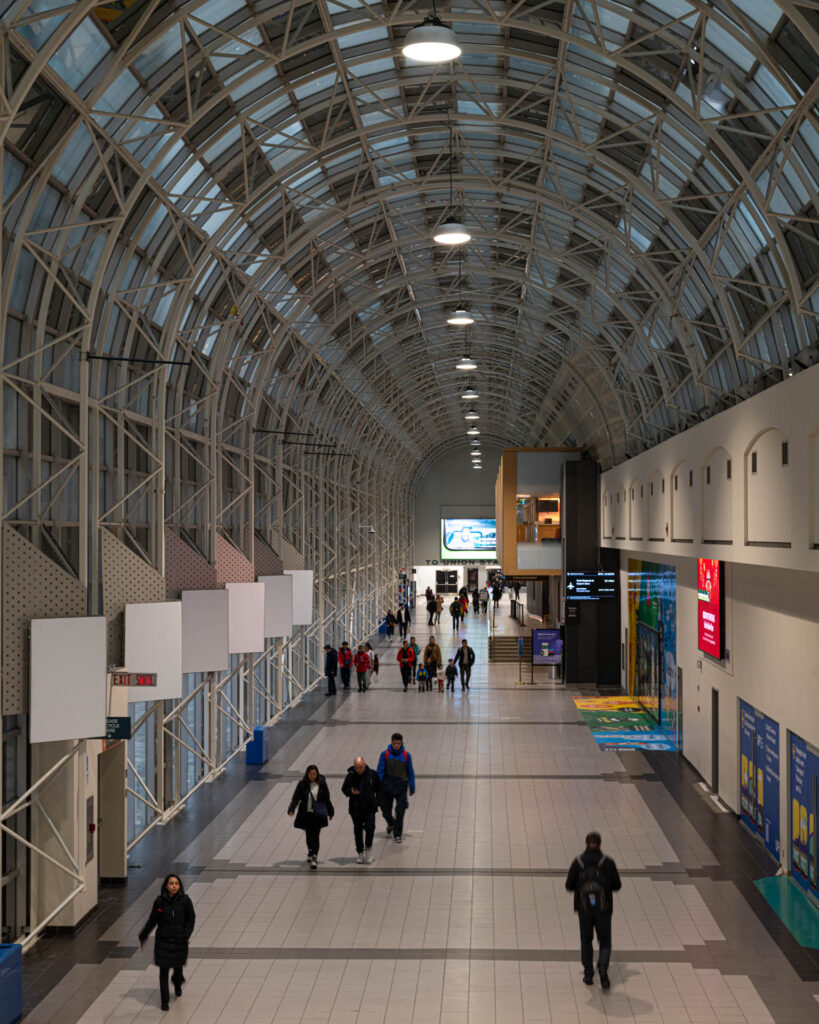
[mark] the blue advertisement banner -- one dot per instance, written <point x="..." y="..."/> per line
<point x="804" y="782"/>
<point x="652" y="611"/>
<point x="759" y="776"/>
<point x="547" y="647"/>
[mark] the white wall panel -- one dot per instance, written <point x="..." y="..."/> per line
<point x="246" y="618"/>
<point x="68" y="678"/>
<point x="302" y="595"/>
<point x="205" y="630"/>
<point x="153" y="643"/>
<point x="278" y="605"/>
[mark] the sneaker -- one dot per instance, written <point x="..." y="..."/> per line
<point x="389" y="830"/>
<point x="368" y="856"/>
<point x="165" y="1006"/>
<point x="604" y="980"/>
<point x="178" y="990"/>
<point x="397" y="839"/>
<point x="313" y="864"/>
<point x="588" y="979"/>
<point x="359" y="858"/>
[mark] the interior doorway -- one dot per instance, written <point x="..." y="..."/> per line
<point x="714" y="740"/>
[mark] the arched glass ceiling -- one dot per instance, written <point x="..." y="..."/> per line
<point x="254" y="186"/>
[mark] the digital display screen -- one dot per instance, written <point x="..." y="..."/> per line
<point x="590" y="586"/>
<point x="710" y="607"/>
<point x="547" y="647"/>
<point x="461" y="538"/>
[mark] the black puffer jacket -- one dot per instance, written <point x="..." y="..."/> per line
<point x="174" y="918"/>
<point x="369" y="788"/>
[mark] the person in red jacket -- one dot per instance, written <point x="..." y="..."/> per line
<point x="361" y="661"/>
<point x="406" y="660"/>
<point x="345" y="661"/>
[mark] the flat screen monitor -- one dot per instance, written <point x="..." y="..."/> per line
<point x="711" y="607"/>
<point x="590" y="586"/>
<point x="467" y="539"/>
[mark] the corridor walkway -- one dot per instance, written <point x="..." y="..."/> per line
<point x="468" y="921"/>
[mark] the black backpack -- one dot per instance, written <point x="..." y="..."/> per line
<point x="592" y="891"/>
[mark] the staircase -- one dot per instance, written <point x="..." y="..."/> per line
<point x="505" y="648"/>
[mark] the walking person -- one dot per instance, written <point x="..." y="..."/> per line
<point x="432" y="662"/>
<point x="484" y="595"/>
<point x="397" y="776"/>
<point x="464" y="606"/>
<point x="455" y="612"/>
<point x="431" y="606"/>
<point x="362" y="665"/>
<point x="439" y="607"/>
<point x="368" y="679"/>
<point x="330" y="668"/>
<point x="465" y="659"/>
<point x="345" y="662"/>
<point x="313" y="808"/>
<point x="403" y="618"/>
<point x="450" y="671"/>
<point x="593" y="877"/>
<point x="173" y="917"/>
<point x="475" y="601"/>
<point x="363" y="789"/>
<point x="389" y="623"/>
<point x="406" y="662"/>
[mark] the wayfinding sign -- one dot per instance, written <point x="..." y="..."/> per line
<point x="590" y="586"/>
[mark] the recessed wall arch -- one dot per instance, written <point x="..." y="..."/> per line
<point x="636" y="509"/>
<point x="657" y="499"/>
<point x="768" y="486"/>
<point x="683" y="517"/>
<point x="717" y="502"/>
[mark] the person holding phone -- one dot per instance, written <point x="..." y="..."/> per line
<point x="313" y="809"/>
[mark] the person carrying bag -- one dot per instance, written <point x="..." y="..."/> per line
<point x="315" y="810"/>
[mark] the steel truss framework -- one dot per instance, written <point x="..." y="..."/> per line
<point x="217" y="221"/>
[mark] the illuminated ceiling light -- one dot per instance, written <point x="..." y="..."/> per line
<point x="460" y="318"/>
<point x="466" y="362"/>
<point x="470" y="414"/>
<point x="473" y="431"/>
<point x="451" y="232"/>
<point x="431" y="42"/>
<point x="477" y="465"/>
<point x="470" y="394"/>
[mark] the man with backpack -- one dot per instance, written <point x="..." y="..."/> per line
<point x="593" y="877"/>
<point x="397" y="775"/>
<point x="455" y="612"/>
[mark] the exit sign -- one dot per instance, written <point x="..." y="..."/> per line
<point x="133" y="678"/>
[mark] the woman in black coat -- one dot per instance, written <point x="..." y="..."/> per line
<point x="173" y="917"/>
<point x="315" y="809"/>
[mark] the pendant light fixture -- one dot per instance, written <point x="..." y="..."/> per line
<point x="473" y="431"/>
<point x="470" y="395"/>
<point x="466" y="362"/>
<point x="460" y="317"/>
<point x="431" y="42"/>
<point x="470" y="414"/>
<point x="451" y="231"/>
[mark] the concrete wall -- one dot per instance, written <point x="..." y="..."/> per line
<point x="452" y="482"/>
<point x="772" y="645"/>
<point x="733" y="493"/>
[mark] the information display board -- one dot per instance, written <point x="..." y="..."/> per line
<point x="711" y="607"/>
<point x="804" y="794"/>
<point x="590" y="586"/>
<point x="759" y="775"/>
<point x="547" y="647"/>
<point x="476" y="538"/>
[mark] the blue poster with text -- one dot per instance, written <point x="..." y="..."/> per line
<point x="759" y="775"/>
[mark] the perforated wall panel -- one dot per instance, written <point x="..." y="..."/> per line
<point x="291" y="559"/>
<point x="33" y="588"/>
<point x="267" y="562"/>
<point x="231" y="564"/>
<point x="185" y="569"/>
<point x="126" y="579"/>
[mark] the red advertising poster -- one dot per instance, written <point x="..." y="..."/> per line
<point x="710" y="607"/>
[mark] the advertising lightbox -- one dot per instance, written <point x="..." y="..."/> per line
<point x="711" y="607"/>
<point x="468" y="538"/>
<point x="547" y="647"/>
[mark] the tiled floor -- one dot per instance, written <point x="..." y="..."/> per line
<point x="466" y="922"/>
